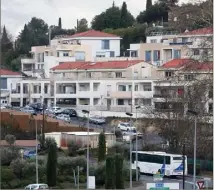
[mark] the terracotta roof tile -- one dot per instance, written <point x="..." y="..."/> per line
<point x="69" y="65"/>
<point x="8" y="72"/>
<point x="94" y="33"/>
<point x="188" y="64"/>
<point x="97" y="65"/>
<point x="176" y="63"/>
<point x="201" y="31"/>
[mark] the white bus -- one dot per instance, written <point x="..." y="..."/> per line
<point x="150" y="162"/>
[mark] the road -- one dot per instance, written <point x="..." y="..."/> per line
<point x="188" y="181"/>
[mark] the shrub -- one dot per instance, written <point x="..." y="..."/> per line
<point x="49" y="141"/>
<point x="7" y="175"/>
<point x="29" y="170"/>
<point x="118" y="134"/>
<point x="190" y="169"/>
<point x="17" y="167"/>
<point x="64" y="164"/>
<point x="82" y="179"/>
<point x="16" y="183"/>
<point x="100" y="174"/>
<point x="8" y="154"/>
<point x="73" y="146"/>
<point x="119" y="178"/>
<point x="10" y="139"/>
<point x="102" y="147"/>
<point x="110" y="173"/>
<point x="51" y="169"/>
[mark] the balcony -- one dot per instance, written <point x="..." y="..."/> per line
<point x="180" y="43"/>
<point x="28" y="61"/>
<point x="120" y="94"/>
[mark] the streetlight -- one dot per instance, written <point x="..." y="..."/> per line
<point x="194" y="113"/>
<point x="87" y="112"/>
<point x="37" y="173"/>
<point x="130" y="115"/>
<point x="136" y="146"/>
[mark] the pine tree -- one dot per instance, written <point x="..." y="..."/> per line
<point x="60" y="23"/>
<point x="102" y="147"/>
<point x="110" y="173"/>
<point x="6" y="43"/>
<point x="148" y="4"/>
<point x="51" y="165"/>
<point x="119" y="178"/>
<point x="123" y="16"/>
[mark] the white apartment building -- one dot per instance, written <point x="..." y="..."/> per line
<point x="8" y="79"/>
<point x="86" y="46"/>
<point x="174" y="92"/>
<point x="102" y="44"/>
<point x="161" y="48"/>
<point x="94" y="86"/>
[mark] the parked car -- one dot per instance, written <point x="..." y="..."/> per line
<point x="37" y="106"/>
<point x="53" y="110"/>
<point x="97" y="120"/>
<point x="63" y="117"/>
<point x="28" y="109"/>
<point x="126" y="127"/>
<point x="70" y="112"/>
<point x="37" y="186"/>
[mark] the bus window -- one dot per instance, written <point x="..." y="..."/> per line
<point x="167" y="159"/>
<point x="178" y="158"/>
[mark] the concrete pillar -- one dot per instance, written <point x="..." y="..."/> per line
<point x="21" y="94"/>
<point x="55" y="84"/>
<point x="91" y="101"/>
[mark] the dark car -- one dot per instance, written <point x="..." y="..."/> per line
<point x="38" y="107"/>
<point x="70" y="112"/>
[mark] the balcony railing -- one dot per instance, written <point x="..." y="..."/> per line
<point x="180" y="43"/>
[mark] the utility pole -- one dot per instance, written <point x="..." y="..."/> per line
<point x="184" y="165"/>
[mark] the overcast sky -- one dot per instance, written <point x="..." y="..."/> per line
<point x="15" y="13"/>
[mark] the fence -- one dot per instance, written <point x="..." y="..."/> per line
<point x="205" y="165"/>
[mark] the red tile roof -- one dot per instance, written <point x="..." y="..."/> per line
<point x="97" y="65"/>
<point x="69" y="65"/>
<point x="94" y="33"/>
<point x="176" y="63"/>
<point x="8" y="72"/>
<point x="201" y="31"/>
<point x="188" y="64"/>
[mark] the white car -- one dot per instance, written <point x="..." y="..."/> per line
<point x="53" y="109"/>
<point x="37" y="186"/>
<point x="63" y="117"/>
<point x="126" y="127"/>
<point x="97" y="120"/>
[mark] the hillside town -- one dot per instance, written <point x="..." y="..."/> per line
<point x="106" y="107"/>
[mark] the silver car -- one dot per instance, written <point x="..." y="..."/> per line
<point x="97" y="120"/>
<point x="63" y="117"/>
<point x="27" y="109"/>
<point x="37" y="186"/>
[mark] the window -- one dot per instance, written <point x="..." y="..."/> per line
<point x="136" y="87"/>
<point x="130" y="101"/>
<point x="46" y="89"/>
<point x="105" y="44"/>
<point x="35" y="89"/>
<point x="147" y="87"/>
<point x="153" y="41"/>
<point x="130" y="88"/>
<point x="118" y="74"/>
<point x="65" y="54"/>
<point x="147" y="102"/>
<point x="156" y="55"/>
<point x="210" y="107"/>
<point x="178" y="158"/>
<point x="205" y="52"/>
<point x="168" y="74"/>
<point x="152" y="158"/>
<point x="79" y="55"/>
<point x="112" y="54"/>
<point x="148" y="55"/>
<point x="188" y="77"/>
<point x="122" y="88"/>
<point x="177" y="53"/>
<point x="109" y="75"/>
<point x="3" y="83"/>
<point x="120" y="102"/>
<point x="88" y="75"/>
<point x="196" y="52"/>
<point x="57" y="54"/>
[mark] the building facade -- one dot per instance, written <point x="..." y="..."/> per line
<point x="161" y="48"/>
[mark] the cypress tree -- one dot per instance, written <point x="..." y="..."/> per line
<point x="119" y="178"/>
<point x="6" y="43"/>
<point x="110" y="173"/>
<point x="101" y="147"/>
<point x="51" y="165"/>
<point x="123" y="16"/>
<point x="148" y="4"/>
<point x="60" y="23"/>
